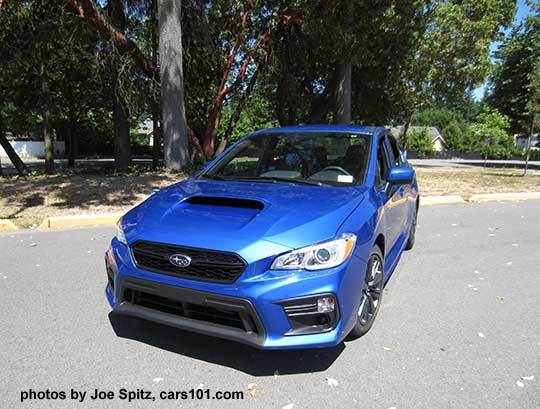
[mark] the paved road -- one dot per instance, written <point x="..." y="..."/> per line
<point x="459" y="327"/>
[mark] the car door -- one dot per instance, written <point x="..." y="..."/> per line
<point x="389" y="198"/>
<point x="401" y="193"/>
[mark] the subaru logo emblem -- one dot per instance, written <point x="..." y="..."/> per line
<point x="180" y="260"/>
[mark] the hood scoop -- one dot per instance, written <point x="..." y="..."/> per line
<point x="225" y="202"/>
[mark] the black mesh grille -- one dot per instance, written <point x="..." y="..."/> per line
<point x="206" y="265"/>
<point x="221" y="316"/>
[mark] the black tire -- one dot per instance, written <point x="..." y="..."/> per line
<point x="371" y="297"/>
<point x="412" y="232"/>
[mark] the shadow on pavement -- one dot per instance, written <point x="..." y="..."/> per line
<point x="222" y="352"/>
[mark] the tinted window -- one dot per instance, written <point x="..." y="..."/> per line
<point x="339" y="159"/>
<point x="381" y="171"/>
<point x="395" y="153"/>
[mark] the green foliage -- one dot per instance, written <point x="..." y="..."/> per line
<point x="421" y="143"/>
<point x="490" y="134"/>
<point x="454" y="135"/>
<point x="256" y="115"/>
<point x="510" y="84"/>
<point x="439" y="117"/>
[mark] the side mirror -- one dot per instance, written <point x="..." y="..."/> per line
<point x="400" y="176"/>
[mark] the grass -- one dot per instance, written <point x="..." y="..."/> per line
<point x="28" y="201"/>
<point x="470" y="181"/>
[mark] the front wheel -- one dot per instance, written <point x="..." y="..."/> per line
<point x="412" y="232"/>
<point x="371" y="297"/>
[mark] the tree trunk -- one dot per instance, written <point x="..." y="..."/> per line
<point x="22" y="169"/>
<point x="122" y="147"/>
<point x="156" y="126"/>
<point x="404" y="135"/>
<point x="47" y="129"/>
<point x="343" y="91"/>
<point x="236" y="114"/>
<point x="529" y="140"/>
<point x="70" y="142"/>
<point x="175" y="131"/>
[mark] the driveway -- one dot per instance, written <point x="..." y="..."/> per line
<point x="459" y="328"/>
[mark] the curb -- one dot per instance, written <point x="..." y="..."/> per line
<point x="79" y="220"/>
<point x="488" y="197"/>
<point x="435" y="200"/>
<point x="504" y="197"/>
<point x="7" y="225"/>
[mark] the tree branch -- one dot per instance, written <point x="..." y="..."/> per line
<point x="88" y="10"/>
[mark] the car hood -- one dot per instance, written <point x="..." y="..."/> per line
<point x="228" y="215"/>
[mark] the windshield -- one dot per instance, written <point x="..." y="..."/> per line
<point x="329" y="158"/>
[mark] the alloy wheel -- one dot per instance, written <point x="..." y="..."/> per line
<point x="371" y="293"/>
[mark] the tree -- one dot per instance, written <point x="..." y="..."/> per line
<point x="533" y="109"/>
<point x="451" y="55"/>
<point x="175" y="130"/>
<point x="421" y="143"/>
<point x="509" y="85"/>
<point x="343" y="88"/>
<point x="490" y="134"/>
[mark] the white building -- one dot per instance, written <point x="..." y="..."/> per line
<point x="33" y="149"/>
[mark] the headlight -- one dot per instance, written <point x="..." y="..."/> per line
<point x="120" y="233"/>
<point x="323" y="255"/>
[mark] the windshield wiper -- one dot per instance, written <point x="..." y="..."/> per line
<point x="274" y="179"/>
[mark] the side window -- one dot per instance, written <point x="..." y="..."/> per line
<point x="395" y="153"/>
<point x="381" y="172"/>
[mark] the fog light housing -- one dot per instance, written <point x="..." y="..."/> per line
<point x="326" y="304"/>
<point x="311" y="315"/>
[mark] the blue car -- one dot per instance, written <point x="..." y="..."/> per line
<point x="285" y="240"/>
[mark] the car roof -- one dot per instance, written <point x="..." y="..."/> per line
<point x="370" y="130"/>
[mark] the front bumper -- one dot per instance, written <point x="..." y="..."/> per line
<point x="250" y="307"/>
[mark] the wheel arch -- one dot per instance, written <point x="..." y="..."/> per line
<point x="379" y="241"/>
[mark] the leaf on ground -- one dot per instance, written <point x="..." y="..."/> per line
<point x="481" y="335"/>
<point x="500" y="297"/>
<point x="252" y="388"/>
<point x="332" y="382"/>
<point x="520" y="384"/>
<point x="528" y="378"/>
<point x="33" y="244"/>
<point x="476" y="272"/>
<point x="386" y="348"/>
<point x="157" y="380"/>
<point x="470" y="285"/>
<point x="509" y="263"/>
<point x="289" y="406"/>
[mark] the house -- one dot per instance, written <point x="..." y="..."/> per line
<point x="439" y="144"/>
<point x="145" y="131"/>
<point x="521" y="141"/>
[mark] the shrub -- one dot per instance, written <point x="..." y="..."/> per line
<point x="421" y="142"/>
<point x="453" y="134"/>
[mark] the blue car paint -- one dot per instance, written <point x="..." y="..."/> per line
<point x="293" y="216"/>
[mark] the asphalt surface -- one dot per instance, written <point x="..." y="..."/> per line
<point x="459" y="328"/>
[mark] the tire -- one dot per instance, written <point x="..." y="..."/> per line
<point x="371" y="297"/>
<point x="412" y="232"/>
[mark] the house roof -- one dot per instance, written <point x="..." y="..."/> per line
<point x="433" y="131"/>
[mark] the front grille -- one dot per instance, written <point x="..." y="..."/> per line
<point x="222" y="316"/>
<point x="206" y="265"/>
